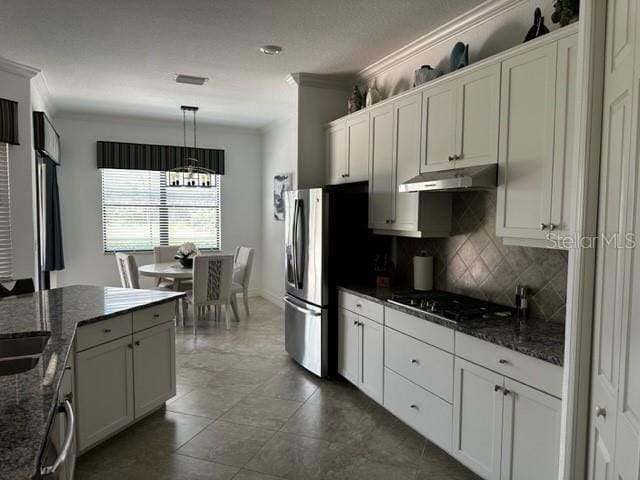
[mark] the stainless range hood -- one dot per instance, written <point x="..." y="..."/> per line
<point x="459" y="179"/>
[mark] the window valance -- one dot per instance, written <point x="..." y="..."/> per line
<point x="138" y="156"/>
<point x="9" y="122"/>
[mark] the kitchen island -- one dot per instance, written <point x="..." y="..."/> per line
<point x="29" y="400"/>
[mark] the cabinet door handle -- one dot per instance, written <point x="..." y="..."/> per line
<point x="107" y="330"/>
<point x="506" y="392"/>
<point x="601" y="412"/>
<point x="414" y="406"/>
<point x="156" y="315"/>
<point x="137" y="342"/>
<point x="552" y="226"/>
<point x="359" y="305"/>
<point x="497" y="388"/>
<point x="355" y="322"/>
<point x="414" y="361"/>
<point x="503" y="361"/>
<point x="68" y="367"/>
<point x="451" y="158"/>
<point x="543" y="226"/>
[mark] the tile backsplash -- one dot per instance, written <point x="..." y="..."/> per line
<point x="474" y="262"/>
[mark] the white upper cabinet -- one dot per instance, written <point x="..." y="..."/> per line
<point x="357" y="130"/>
<point x="460" y="121"/>
<point x="336" y="152"/>
<point x="478" y="110"/>
<point x="381" y="168"/>
<point x="526" y="143"/>
<point x="406" y="146"/>
<point x="347" y="147"/>
<point x="439" y="127"/>
<point x="536" y="144"/>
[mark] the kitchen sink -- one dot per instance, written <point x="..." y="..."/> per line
<point x="21" y="354"/>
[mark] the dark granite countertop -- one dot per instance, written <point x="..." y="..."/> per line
<point x="533" y="337"/>
<point x="28" y="400"/>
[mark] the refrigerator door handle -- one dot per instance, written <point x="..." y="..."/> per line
<point x="306" y="311"/>
<point x="294" y="246"/>
<point x="300" y="245"/>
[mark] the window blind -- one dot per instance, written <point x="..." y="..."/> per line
<point x="139" y="211"/>
<point x="6" y="251"/>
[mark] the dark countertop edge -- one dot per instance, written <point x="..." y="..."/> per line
<point x="54" y="404"/>
<point x="174" y="296"/>
<point x="458" y="328"/>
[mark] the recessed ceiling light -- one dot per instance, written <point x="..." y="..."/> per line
<point x="191" y="79"/>
<point x="271" y="49"/>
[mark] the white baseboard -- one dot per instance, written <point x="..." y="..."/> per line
<point x="270" y="297"/>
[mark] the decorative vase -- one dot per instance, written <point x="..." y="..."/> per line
<point x="539" y="28"/>
<point x="355" y="100"/>
<point x="185" y="261"/>
<point x="425" y="73"/>
<point x="459" y="56"/>
<point x="373" y="96"/>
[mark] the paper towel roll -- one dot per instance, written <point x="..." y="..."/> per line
<point x="423" y="273"/>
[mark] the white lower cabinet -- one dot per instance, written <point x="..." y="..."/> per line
<point x="360" y="350"/>
<point x="154" y="367"/>
<point x="503" y="429"/>
<point x="425" y="412"/>
<point x="104" y="388"/>
<point x="121" y="380"/>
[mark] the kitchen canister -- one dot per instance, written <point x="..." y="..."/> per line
<point x="423" y="272"/>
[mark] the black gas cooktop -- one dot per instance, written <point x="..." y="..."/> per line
<point x="452" y="307"/>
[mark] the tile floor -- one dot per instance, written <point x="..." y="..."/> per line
<point x="245" y="411"/>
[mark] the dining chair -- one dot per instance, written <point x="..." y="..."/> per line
<point x="212" y="279"/>
<point x="128" y="270"/>
<point x="242" y="266"/>
<point x="165" y="254"/>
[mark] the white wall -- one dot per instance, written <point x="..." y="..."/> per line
<point x="18" y="88"/>
<point x="279" y="145"/>
<point x="498" y="33"/>
<point x="80" y="190"/>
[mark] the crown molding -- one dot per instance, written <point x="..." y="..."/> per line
<point x="16" y="68"/>
<point x="448" y="31"/>
<point x="333" y="82"/>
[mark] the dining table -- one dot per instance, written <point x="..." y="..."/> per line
<point x="173" y="270"/>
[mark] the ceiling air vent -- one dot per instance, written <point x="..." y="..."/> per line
<point x="191" y="79"/>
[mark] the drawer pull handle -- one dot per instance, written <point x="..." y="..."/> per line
<point x="137" y="343"/>
<point x="414" y="406"/>
<point x="156" y="315"/>
<point x="414" y="361"/>
<point x="503" y="361"/>
<point x="355" y="322"/>
<point x="497" y="388"/>
<point x="601" y="412"/>
<point x="506" y="392"/>
<point x="68" y="367"/>
<point x="359" y="305"/>
<point x="107" y="330"/>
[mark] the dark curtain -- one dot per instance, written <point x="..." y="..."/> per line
<point x="53" y="255"/>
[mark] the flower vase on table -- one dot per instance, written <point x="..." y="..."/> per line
<point x="185" y="254"/>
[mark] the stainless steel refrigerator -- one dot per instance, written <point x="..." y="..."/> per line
<point x="326" y="241"/>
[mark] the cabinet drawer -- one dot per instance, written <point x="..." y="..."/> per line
<point x="421" y="410"/>
<point x="152" y="316"/>
<point x="424" y="330"/>
<point x="372" y="310"/>
<point x="103" y="331"/>
<point x="427" y="366"/>
<point x="528" y="370"/>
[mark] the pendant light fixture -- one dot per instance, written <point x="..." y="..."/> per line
<point x="190" y="175"/>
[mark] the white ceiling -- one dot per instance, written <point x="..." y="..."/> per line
<point x="120" y="56"/>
